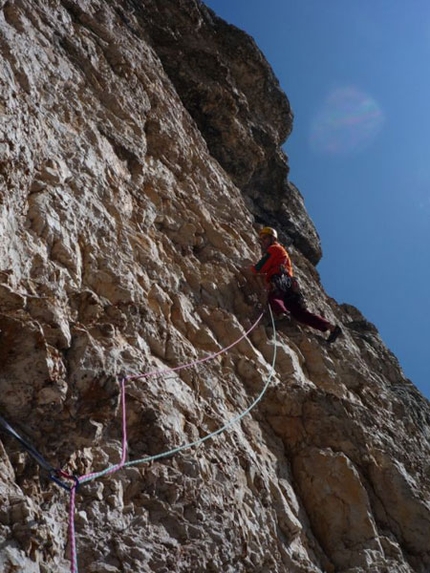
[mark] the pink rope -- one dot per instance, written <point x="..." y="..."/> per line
<point x="72" y="536"/>
<point x="118" y="466"/>
<point x="195" y="362"/>
<point x="115" y="468"/>
<point x="72" y="532"/>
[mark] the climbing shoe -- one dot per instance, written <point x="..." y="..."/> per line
<point x="334" y="334"/>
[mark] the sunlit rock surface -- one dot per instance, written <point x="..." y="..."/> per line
<point x="139" y="151"/>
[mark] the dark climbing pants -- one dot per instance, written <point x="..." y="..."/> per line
<point x="279" y="303"/>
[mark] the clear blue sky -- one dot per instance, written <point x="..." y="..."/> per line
<point x="358" y="79"/>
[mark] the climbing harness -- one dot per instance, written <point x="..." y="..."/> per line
<point x="282" y="282"/>
<point x="285" y="283"/>
<point x="55" y="474"/>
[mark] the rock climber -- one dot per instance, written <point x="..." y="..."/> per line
<point x="283" y="292"/>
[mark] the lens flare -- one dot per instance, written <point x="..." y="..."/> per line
<point x="348" y="121"/>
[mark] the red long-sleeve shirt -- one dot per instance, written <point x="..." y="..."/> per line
<point x="275" y="260"/>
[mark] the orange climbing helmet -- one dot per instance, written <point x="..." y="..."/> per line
<point x="269" y="231"/>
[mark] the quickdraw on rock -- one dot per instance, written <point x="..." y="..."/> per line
<point x="56" y="475"/>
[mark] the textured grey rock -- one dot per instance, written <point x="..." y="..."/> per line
<point x="136" y="158"/>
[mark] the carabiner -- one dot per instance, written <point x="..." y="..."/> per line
<point x="55" y="475"/>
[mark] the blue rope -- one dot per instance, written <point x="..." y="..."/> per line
<point x="208" y="436"/>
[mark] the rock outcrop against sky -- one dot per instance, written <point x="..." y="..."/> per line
<point x="140" y="150"/>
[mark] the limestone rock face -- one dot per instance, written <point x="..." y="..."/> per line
<point x="139" y="148"/>
<point x="227" y="86"/>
